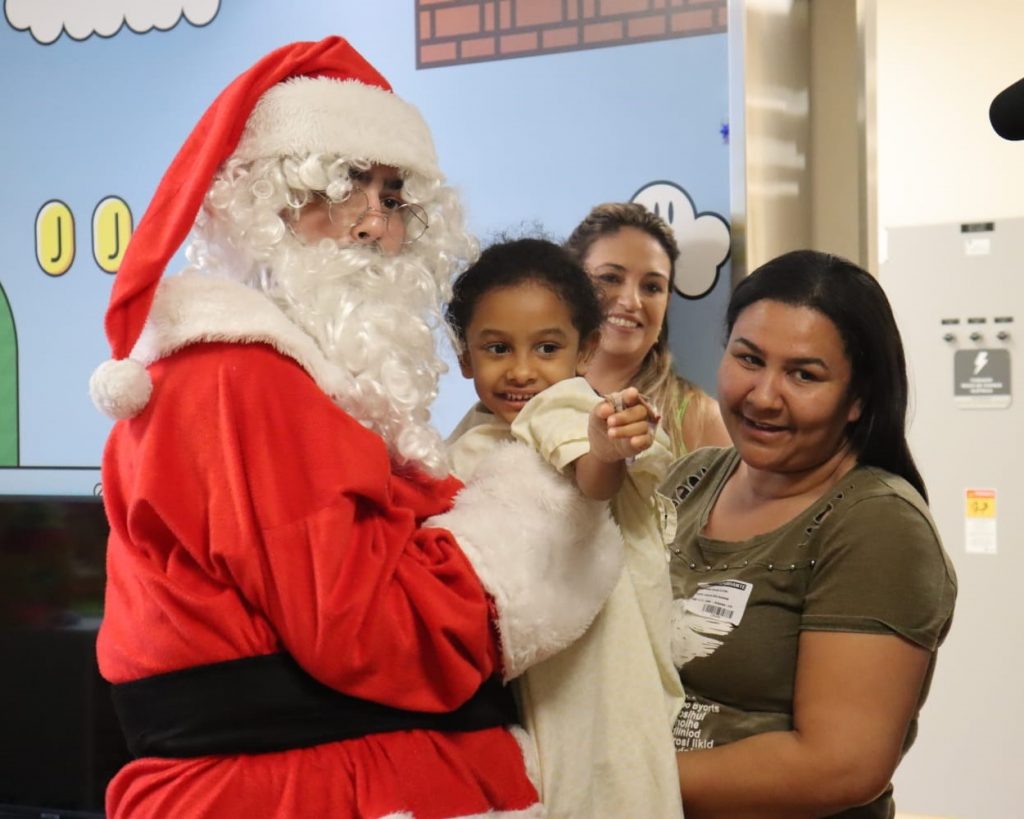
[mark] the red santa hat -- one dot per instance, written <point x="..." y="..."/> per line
<point x="303" y="98"/>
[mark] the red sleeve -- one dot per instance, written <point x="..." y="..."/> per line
<point x="242" y="480"/>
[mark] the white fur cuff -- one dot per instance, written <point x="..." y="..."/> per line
<point x="548" y="556"/>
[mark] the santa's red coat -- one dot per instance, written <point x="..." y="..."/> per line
<point x="251" y="515"/>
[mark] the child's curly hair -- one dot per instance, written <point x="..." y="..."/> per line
<point x="517" y="261"/>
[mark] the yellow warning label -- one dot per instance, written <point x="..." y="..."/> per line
<point x="981" y="503"/>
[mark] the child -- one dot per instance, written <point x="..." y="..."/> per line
<point x="527" y="319"/>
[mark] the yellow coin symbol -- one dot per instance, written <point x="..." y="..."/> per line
<point x="55" y="238"/>
<point x="111" y="230"/>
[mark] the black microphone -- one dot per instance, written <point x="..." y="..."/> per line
<point x="1006" y="113"/>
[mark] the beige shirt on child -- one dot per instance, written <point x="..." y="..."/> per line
<point x="605" y="747"/>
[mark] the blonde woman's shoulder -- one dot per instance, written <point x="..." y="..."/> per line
<point x="702" y="423"/>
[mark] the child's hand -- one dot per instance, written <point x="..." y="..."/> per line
<point x="621" y="426"/>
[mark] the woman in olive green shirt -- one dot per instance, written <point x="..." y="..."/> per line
<point x="811" y="588"/>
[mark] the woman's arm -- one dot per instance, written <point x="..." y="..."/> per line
<point x="854" y="698"/>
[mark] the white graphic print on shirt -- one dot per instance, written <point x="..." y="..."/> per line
<point x="713" y="611"/>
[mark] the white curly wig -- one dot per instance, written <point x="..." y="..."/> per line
<point x="376" y="316"/>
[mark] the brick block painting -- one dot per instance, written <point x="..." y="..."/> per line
<point x="454" y="32"/>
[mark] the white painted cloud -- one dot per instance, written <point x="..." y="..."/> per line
<point x="703" y="238"/>
<point x="47" y="19"/>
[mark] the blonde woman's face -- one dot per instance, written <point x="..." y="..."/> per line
<point x="632" y="273"/>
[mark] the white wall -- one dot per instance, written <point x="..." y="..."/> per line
<point x="938" y="65"/>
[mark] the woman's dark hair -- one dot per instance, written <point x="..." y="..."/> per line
<point x="518" y="261"/>
<point x="855" y="303"/>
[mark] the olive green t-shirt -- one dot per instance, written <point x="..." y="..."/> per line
<point x="865" y="557"/>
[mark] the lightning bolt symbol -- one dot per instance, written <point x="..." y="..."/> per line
<point x="980" y="360"/>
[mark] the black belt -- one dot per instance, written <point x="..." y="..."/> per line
<point x="261" y="704"/>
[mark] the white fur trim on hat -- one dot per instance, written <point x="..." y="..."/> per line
<point x="305" y="115"/>
<point x="121" y="388"/>
<point x="547" y="555"/>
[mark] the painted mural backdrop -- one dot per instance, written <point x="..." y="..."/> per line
<point x="606" y="100"/>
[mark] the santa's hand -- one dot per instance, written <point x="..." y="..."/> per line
<point x="622" y="426"/>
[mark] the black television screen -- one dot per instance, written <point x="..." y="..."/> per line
<point x="59" y="738"/>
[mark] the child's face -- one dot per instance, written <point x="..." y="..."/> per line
<point x="520" y="340"/>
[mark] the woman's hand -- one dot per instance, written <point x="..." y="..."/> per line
<point x="622" y="426"/>
<point x="854" y="699"/>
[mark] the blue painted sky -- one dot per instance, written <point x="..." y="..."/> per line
<point x="536" y="140"/>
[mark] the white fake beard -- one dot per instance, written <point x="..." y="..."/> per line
<point x="374" y="316"/>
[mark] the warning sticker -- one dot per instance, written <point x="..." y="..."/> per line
<point x="980" y="521"/>
<point x="981" y="379"/>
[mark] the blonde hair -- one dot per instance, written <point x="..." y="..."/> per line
<point x="672" y="394"/>
<point x="656" y="378"/>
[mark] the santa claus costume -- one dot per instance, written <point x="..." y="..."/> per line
<point x="303" y="616"/>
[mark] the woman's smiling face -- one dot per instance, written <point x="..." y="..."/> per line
<point x="784" y="387"/>
<point x="632" y="272"/>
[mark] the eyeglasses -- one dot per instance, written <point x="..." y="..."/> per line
<point x="324" y="217"/>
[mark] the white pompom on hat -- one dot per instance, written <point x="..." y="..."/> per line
<point x="303" y="98"/>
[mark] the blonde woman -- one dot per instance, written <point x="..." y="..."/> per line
<point x="629" y="252"/>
